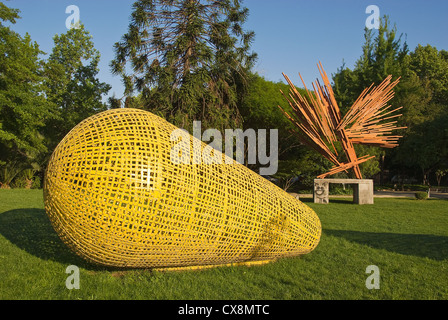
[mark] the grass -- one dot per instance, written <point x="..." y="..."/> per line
<point x="407" y="239"/>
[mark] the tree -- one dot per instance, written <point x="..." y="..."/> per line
<point x="426" y="104"/>
<point x="72" y="86"/>
<point x="188" y="59"/>
<point x="385" y="53"/>
<point x="259" y="110"/>
<point x="440" y="173"/>
<point x="23" y="108"/>
<point x="382" y="54"/>
<point x="426" y="147"/>
<point x="431" y="65"/>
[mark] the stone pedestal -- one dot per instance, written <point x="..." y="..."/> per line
<point x="362" y="190"/>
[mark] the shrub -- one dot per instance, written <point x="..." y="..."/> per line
<point x="24" y="179"/>
<point x="421" y="195"/>
<point x="19" y="182"/>
<point x="7" y="174"/>
<point x="339" y="190"/>
<point x="36" y="183"/>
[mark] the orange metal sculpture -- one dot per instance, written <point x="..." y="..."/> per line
<point x="320" y="124"/>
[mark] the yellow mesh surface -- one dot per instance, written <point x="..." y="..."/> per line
<point x="115" y="198"/>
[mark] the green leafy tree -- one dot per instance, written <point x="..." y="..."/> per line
<point x="259" y="110"/>
<point x="189" y="59"/>
<point x="426" y="148"/>
<point x="23" y="108"/>
<point x="422" y="90"/>
<point x="431" y="65"/>
<point x="425" y="97"/>
<point x="72" y="85"/>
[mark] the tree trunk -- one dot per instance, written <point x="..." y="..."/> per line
<point x="28" y="183"/>
<point x="425" y="176"/>
<point x="382" y="169"/>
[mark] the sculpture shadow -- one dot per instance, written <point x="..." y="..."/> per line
<point x="31" y="230"/>
<point x="420" y="245"/>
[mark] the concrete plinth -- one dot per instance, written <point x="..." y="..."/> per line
<point x="362" y="190"/>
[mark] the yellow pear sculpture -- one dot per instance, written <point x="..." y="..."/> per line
<point x="116" y="198"/>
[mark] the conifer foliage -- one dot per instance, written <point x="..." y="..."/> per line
<point x="189" y="59"/>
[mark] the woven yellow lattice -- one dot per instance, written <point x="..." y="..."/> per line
<point x="115" y="197"/>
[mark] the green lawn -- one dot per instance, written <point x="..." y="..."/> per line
<point x="407" y="239"/>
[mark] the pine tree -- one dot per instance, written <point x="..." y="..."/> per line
<point x="383" y="53"/>
<point x="188" y="58"/>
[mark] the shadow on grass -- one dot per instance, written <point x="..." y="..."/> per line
<point x="421" y="245"/>
<point x="31" y="231"/>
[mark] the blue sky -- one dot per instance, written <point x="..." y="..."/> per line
<point x="291" y="35"/>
